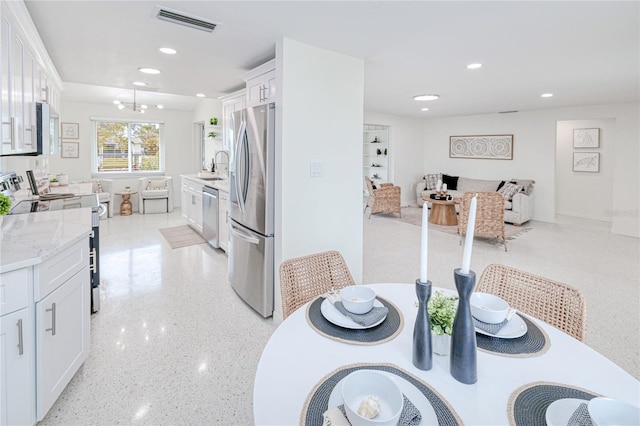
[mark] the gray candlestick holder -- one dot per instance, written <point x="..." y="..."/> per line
<point x="464" y="352"/>
<point x="422" y="353"/>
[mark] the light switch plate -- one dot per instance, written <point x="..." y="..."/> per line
<point x="317" y="169"/>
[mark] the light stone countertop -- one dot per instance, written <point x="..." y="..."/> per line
<point x="221" y="185"/>
<point x="29" y="239"/>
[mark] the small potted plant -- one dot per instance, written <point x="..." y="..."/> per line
<point x="213" y="135"/>
<point x="54" y="182"/>
<point x="442" y="311"/>
<point x="214" y="121"/>
<point x="5" y="206"/>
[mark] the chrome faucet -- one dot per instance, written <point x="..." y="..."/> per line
<point x="216" y="163"/>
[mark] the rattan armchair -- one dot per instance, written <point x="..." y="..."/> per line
<point x="385" y="199"/>
<point x="553" y="302"/>
<point x="304" y="278"/>
<point x="489" y="215"/>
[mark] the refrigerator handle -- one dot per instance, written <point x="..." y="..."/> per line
<point x="239" y="180"/>
<point x="248" y="238"/>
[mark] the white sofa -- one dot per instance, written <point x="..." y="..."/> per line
<point x="517" y="210"/>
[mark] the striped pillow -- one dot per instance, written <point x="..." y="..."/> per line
<point x="509" y="189"/>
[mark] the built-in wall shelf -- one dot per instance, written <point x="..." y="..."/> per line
<point x="375" y="153"/>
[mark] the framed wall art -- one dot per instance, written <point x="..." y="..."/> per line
<point x="70" y="131"/>
<point x="586" y="138"/>
<point x="586" y="162"/>
<point x="492" y="147"/>
<point x="70" y="150"/>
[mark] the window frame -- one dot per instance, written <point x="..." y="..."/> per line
<point x="125" y="174"/>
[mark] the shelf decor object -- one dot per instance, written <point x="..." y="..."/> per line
<point x="70" y="131"/>
<point x="586" y="138"/>
<point x="586" y="162"/>
<point x="70" y="150"/>
<point x="491" y="147"/>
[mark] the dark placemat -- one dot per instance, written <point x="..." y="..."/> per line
<point x="383" y="332"/>
<point x="535" y="342"/>
<point x="318" y="400"/>
<point x="528" y="404"/>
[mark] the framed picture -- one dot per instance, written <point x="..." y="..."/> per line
<point x="70" y="131"/>
<point x="586" y="138"/>
<point x="492" y="147"/>
<point x="586" y="162"/>
<point x="70" y="150"/>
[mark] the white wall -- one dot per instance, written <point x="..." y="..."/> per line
<point x="576" y="191"/>
<point x="319" y="115"/>
<point x="204" y="111"/>
<point x="406" y="151"/>
<point x="534" y="154"/>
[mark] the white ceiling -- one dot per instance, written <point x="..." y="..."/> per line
<point x="585" y="53"/>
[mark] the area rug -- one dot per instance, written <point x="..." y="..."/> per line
<point x="413" y="215"/>
<point x="181" y="236"/>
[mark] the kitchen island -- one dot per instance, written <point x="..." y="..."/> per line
<point x="45" y="314"/>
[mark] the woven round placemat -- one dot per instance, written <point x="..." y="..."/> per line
<point x="535" y="342"/>
<point x="318" y="400"/>
<point x="385" y="331"/>
<point x="528" y="404"/>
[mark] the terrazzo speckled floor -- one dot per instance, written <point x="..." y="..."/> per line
<point x="173" y="344"/>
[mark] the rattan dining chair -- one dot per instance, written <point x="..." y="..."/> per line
<point x="304" y="278"/>
<point x="489" y="215"/>
<point x="550" y="301"/>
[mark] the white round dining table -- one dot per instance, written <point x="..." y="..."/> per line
<point x="297" y="357"/>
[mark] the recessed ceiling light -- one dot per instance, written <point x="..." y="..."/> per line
<point x="159" y="106"/>
<point x="116" y="102"/>
<point x="424" y="109"/>
<point x="200" y="95"/>
<point x="168" y="50"/>
<point x="426" y="97"/>
<point x="144" y="106"/>
<point x="474" y="66"/>
<point x="139" y="83"/>
<point x="546" y="95"/>
<point x="149" y="70"/>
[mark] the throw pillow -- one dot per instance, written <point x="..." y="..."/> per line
<point x="508" y="190"/>
<point x="157" y="184"/>
<point x="451" y="181"/>
<point x="432" y="181"/>
<point x="96" y="186"/>
<point x="527" y="185"/>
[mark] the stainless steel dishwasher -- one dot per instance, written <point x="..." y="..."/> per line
<point x="210" y="230"/>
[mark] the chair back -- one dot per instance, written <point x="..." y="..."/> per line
<point x="489" y="215"/>
<point x="369" y="183"/>
<point x="304" y="278"/>
<point x="553" y="302"/>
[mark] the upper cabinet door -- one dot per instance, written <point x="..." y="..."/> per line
<point x="6" y="132"/>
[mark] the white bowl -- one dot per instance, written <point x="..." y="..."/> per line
<point x="362" y="383"/>
<point x="608" y="411"/>
<point x="488" y="308"/>
<point x="357" y="299"/>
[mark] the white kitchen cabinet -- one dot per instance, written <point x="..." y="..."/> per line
<point x="17" y="349"/>
<point x="223" y="219"/>
<point x="261" y="84"/>
<point x="191" y="198"/>
<point x="62" y="338"/>
<point x="230" y="104"/>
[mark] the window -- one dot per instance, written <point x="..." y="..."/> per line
<point x="128" y="146"/>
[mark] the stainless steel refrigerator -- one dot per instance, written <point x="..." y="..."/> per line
<point x="252" y="207"/>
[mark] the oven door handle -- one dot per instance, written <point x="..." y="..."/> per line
<point x="102" y="209"/>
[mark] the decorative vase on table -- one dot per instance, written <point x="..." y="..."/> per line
<point x="441" y="343"/>
<point x="422" y="354"/>
<point x="464" y="353"/>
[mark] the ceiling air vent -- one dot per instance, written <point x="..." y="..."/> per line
<point x="180" y="18"/>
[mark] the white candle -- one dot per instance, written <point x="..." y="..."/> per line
<point x="468" y="239"/>
<point x="444" y="187"/>
<point x="439" y="183"/>
<point x="424" y="243"/>
<point x="438" y="186"/>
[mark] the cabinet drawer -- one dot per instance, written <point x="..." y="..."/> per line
<point x="51" y="274"/>
<point x="14" y="290"/>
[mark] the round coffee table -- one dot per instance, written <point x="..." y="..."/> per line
<point x="443" y="212"/>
